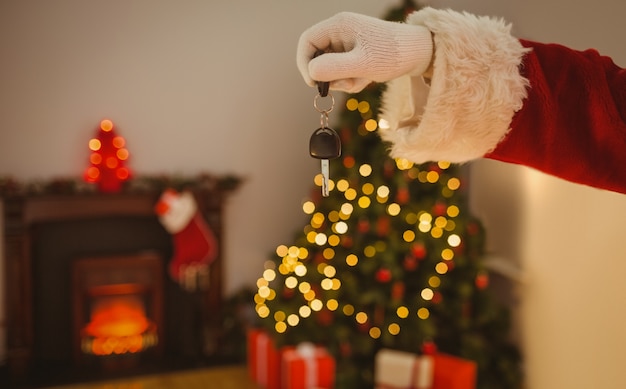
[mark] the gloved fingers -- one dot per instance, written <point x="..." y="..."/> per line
<point x="337" y="66"/>
<point x="350" y="85"/>
<point x="329" y="35"/>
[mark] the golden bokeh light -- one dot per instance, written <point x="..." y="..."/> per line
<point x="454" y="240"/>
<point x="447" y="254"/>
<point x="317" y="305"/>
<point x="304" y="311"/>
<point x="402" y="312"/>
<point x="364" y="202"/>
<point x="369" y="251"/>
<point x="352" y="260"/>
<point x="350" y="194"/>
<point x="280" y="316"/>
<point x="327" y="284"/>
<point x="364" y="106"/>
<point x="427" y="294"/>
<point x="291" y="282"/>
<point x="280" y="327"/>
<point x="371" y="125"/>
<point x="361" y="317"/>
<point x="320" y="239"/>
<point x="328" y="253"/>
<point x="343" y="185"/>
<point x="394" y="328"/>
<point x="441" y="268"/>
<point x="393" y="209"/>
<point x="403" y="164"/>
<point x="293" y="320"/>
<point x="365" y="170"/>
<point x="408" y="236"/>
<point x="263" y="311"/>
<point x="282" y="250"/>
<point x="367" y="188"/>
<point x="352" y="104"/>
<point x="434" y="281"/>
<point x="308" y="207"/>
<point x="432" y="176"/>
<point x="454" y="183"/>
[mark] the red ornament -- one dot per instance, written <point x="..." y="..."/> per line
<point x="108" y="159"/>
<point x="403" y="196"/>
<point x="389" y="168"/>
<point x="383" y="275"/>
<point x="383" y="225"/>
<point x="397" y="290"/>
<point x="439" y="209"/>
<point x="325" y="317"/>
<point x="419" y="250"/>
<point x="345" y="134"/>
<point x="437" y="297"/>
<point x="482" y="280"/>
<point x="348" y="162"/>
<point x="410" y="263"/>
<point x="363" y="226"/>
<point x="346" y="241"/>
<point x="473" y="228"/>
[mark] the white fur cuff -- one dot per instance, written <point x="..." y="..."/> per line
<point x="475" y="90"/>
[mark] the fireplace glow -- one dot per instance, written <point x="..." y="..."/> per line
<point x="118" y="323"/>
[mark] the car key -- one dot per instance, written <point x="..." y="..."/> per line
<point x="324" y="145"/>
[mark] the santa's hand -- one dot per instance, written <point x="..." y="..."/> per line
<point x="361" y="49"/>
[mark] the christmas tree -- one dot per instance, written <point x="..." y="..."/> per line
<point x="107" y="161"/>
<point x="391" y="259"/>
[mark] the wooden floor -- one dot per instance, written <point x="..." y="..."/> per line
<point x="233" y="377"/>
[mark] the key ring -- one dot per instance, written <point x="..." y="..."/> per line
<point x="322" y="89"/>
<point x="324" y="112"/>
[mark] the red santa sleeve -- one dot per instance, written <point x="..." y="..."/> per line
<point x="492" y="95"/>
<point x="573" y="122"/>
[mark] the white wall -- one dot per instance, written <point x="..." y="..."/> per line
<point x="208" y="85"/>
<point x="568" y="239"/>
<point x="193" y="85"/>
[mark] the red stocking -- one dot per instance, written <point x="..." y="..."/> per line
<point x="195" y="245"/>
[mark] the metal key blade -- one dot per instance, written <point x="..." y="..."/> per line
<point x="325" y="177"/>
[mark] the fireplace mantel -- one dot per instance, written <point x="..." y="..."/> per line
<point x="26" y="205"/>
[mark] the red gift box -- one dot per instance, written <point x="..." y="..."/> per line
<point x="402" y="370"/>
<point x="453" y="373"/>
<point x="263" y="360"/>
<point x="306" y="367"/>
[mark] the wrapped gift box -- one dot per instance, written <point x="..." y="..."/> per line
<point x="263" y="360"/>
<point x="402" y="370"/>
<point x="307" y="367"/>
<point x="451" y="372"/>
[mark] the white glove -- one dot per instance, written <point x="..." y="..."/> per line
<point x="361" y="49"/>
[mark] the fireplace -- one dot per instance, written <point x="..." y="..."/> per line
<point x="117" y="308"/>
<point x="87" y="288"/>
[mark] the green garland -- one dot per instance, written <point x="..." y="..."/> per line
<point x="10" y="187"/>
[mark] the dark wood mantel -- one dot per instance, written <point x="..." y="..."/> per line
<point x="25" y="207"/>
